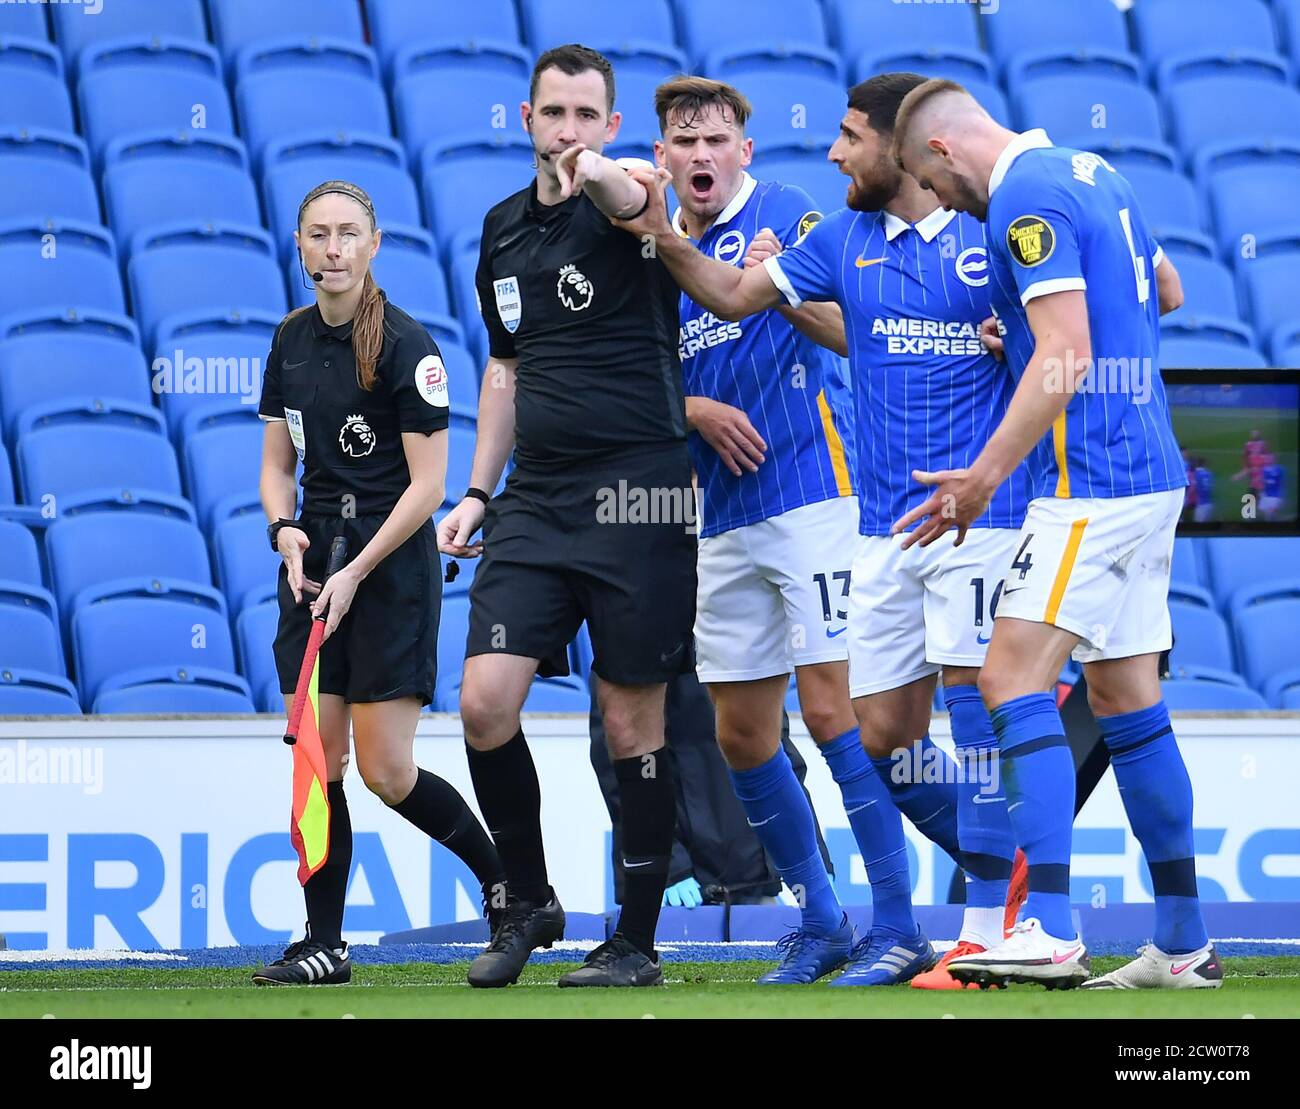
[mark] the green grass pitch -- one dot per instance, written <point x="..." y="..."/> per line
<point x="1219" y="435"/>
<point x="1262" y="987"/>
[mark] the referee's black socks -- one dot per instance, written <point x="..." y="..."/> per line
<point x="649" y="802"/>
<point x="438" y="810"/>
<point x="326" y="890"/>
<point x="510" y="798"/>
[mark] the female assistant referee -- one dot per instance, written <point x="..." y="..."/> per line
<point x="355" y="390"/>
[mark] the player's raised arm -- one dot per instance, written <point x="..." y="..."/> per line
<point x="729" y="293"/>
<point x="1169" y="286"/>
<point x="821" y="321"/>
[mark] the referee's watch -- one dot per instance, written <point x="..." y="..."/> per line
<point x="273" y="531"/>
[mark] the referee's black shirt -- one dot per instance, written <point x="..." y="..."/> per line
<point x="350" y="440"/>
<point x="593" y="323"/>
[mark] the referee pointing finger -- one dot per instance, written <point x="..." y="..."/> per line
<point x="595" y="522"/>
<point x="356" y="391"/>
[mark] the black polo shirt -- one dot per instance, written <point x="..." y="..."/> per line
<point x="594" y="324"/>
<point x="350" y="440"/>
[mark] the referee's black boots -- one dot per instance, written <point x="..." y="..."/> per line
<point x="308" y="962"/>
<point x="524" y="927"/>
<point x="616" y="962"/>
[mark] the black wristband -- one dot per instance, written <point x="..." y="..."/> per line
<point x="640" y="211"/>
<point x="478" y="494"/>
<point x="273" y="531"/>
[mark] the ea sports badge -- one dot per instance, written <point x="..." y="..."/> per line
<point x="1031" y="240"/>
<point x="431" y="381"/>
<point x="509" y="305"/>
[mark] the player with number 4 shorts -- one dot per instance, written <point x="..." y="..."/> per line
<point x="1071" y="268"/>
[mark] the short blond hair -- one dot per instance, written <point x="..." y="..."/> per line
<point x="911" y="105"/>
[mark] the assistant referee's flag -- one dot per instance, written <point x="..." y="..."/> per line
<point x="309" y="824"/>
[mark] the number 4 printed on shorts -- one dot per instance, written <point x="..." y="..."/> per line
<point x="1023" y="561"/>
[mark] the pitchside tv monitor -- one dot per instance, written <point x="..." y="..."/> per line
<point x="1239" y="431"/>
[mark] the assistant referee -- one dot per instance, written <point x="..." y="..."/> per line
<point x="585" y="384"/>
<point x="356" y="391"/>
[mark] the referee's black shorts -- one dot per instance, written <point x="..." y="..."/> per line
<point x="387" y="645"/>
<point x="606" y="542"/>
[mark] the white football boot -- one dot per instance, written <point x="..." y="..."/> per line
<point x="1154" y="970"/>
<point x="1028" y="955"/>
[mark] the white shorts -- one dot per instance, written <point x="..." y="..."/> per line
<point x="1203" y="513"/>
<point x="913" y="611"/>
<point x="1270" y="506"/>
<point x="774" y="595"/>
<point x="1097" y="567"/>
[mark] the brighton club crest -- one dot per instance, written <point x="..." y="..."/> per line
<point x="356" y="438"/>
<point x="574" y="289"/>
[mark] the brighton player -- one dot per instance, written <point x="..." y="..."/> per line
<point x="911" y="280"/>
<point x="774" y="472"/>
<point x="1273" y="477"/>
<point x="1072" y="266"/>
<point x="1202" y="478"/>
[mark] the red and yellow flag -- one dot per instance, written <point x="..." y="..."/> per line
<point x="309" y="825"/>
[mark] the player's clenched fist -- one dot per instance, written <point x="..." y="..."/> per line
<point x="765" y="245"/>
<point x="457" y="528"/>
<point x="728" y="431"/>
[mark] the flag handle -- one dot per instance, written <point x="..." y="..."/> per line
<point x="337" y="556"/>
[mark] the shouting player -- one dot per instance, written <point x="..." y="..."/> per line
<point x="1071" y="263"/>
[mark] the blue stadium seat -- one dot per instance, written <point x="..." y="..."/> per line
<point x="462" y="380"/>
<point x="1213" y="109"/>
<point x="190" y="267"/>
<point x="460" y="458"/>
<point x="788" y="60"/>
<point x="142" y="638"/>
<point x="1021" y="27"/>
<point x="805" y="169"/>
<point x="1238" y="561"/>
<point x="1216" y="329"/>
<point x="1208" y="354"/>
<point x="453" y="629"/>
<point x="32" y="92"/>
<point x="255" y="632"/>
<point x="46" y="357"/>
<point x="212" y="368"/>
<point x="1253" y="64"/>
<point x="558" y="695"/>
<point x="1285" y="340"/>
<point x="993" y="99"/>
<point x="463" y="265"/>
<point x="768" y="24"/>
<point x="1067" y="106"/>
<point x="228" y="695"/>
<point x="458" y="191"/>
<point x="1190" y="695"/>
<point x="131" y="85"/>
<point x="549" y="23"/>
<point x="474" y="100"/>
<point x="47" y="176"/>
<point x="220" y="461"/>
<point x="395" y="24"/>
<point x="73" y="31"/>
<point x="171" y="177"/>
<point x="1288" y="13"/>
<point x="1165" y="27"/>
<point x="1269" y="285"/>
<point x="1250" y="200"/>
<point x="408" y="270"/>
<point x="24" y="21"/>
<point x="791" y="109"/>
<point x="952" y="62"/>
<point x="1168" y="198"/>
<point x="7" y="496"/>
<point x="636" y="101"/>
<point x="1200" y="637"/>
<point x="1282" y="690"/>
<point x="880" y="26"/>
<point x="245" y="562"/>
<point x="29" y="631"/>
<point x="295" y="166"/>
<point x="1113" y="65"/>
<point x="240" y="23"/>
<point x="97" y="548"/>
<point x="581" y="654"/>
<point x="1265" y="618"/>
<point x="27" y="693"/>
<point x="1187" y="568"/>
<point x="82" y="271"/>
<point x="1208" y="288"/>
<point x="346" y="95"/>
<point x="75" y="459"/>
<point x="20" y="560"/>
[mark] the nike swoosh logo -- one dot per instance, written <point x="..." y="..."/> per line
<point x="1015" y="806"/>
<point x="1059" y="959"/>
<point x="761" y="822"/>
<point x="983" y="640"/>
<point x="831" y="635"/>
<point x="1175" y="969"/>
<point x="986" y="800"/>
<point x="632" y="866"/>
<point x="1008" y="592"/>
<point x="293" y="365"/>
<point x="850" y="812"/>
<point x="863" y="263"/>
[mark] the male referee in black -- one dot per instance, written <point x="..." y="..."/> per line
<point x="595" y="520"/>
